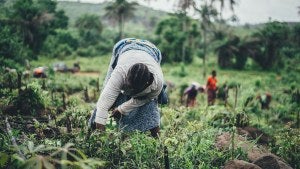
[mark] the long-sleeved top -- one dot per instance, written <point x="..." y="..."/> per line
<point x="115" y="85"/>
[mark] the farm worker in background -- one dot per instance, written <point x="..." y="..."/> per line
<point x="265" y="100"/>
<point x="76" y="67"/>
<point x="223" y="93"/>
<point x="191" y="93"/>
<point x="39" y="72"/>
<point x="211" y="86"/>
<point x="131" y="88"/>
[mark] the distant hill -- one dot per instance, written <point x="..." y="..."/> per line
<point x="145" y="18"/>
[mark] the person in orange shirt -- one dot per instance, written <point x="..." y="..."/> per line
<point x="39" y="72"/>
<point x="211" y="86"/>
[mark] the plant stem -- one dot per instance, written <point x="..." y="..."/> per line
<point x="236" y="94"/>
<point x="232" y="143"/>
<point x="13" y="139"/>
<point x="166" y="158"/>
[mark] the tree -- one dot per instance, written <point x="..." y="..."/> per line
<point x="2" y="2"/>
<point x="61" y="44"/>
<point x="184" y="6"/>
<point x="120" y="10"/>
<point x="227" y="50"/>
<point x="270" y="40"/>
<point x="35" y="20"/>
<point x="231" y="4"/>
<point x="12" y="51"/>
<point x="296" y="35"/>
<point x="172" y="38"/>
<point x="241" y="56"/>
<point x="90" y="28"/>
<point x="207" y="13"/>
<point x="231" y="49"/>
<point x="264" y="46"/>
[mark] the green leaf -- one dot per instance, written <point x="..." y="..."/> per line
<point x="30" y="146"/>
<point x="123" y="151"/>
<point x="33" y="163"/>
<point x="3" y="159"/>
<point x="47" y="164"/>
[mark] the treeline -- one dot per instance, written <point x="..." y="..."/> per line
<point x="32" y="28"/>
<point x="24" y="27"/>
<point x="272" y="46"/>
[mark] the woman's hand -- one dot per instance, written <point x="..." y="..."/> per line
<point x="116" y="114"/>
<point x="100" y="127"/>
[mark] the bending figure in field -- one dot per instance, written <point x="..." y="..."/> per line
<point x="265" y="100"/>
<point x="132" y="87"/>
<point x="191" y="94"/>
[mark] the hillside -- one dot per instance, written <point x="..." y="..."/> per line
<point x="143" y="22"/>
<point x="145" y="18"/>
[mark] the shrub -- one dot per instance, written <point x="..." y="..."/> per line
<point x="62" y="51"/>
<point x="31" y="101"/>
<point x="87" y="52"/>
<point x="287" y="146"/>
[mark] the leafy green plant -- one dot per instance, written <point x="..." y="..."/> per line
<point x="49" y="157"/>
<point x="287" y="146"/>
<point x="31" y="101"/>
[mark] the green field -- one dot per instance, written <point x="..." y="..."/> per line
<point x="189" y="134"/>
<point x="43" y="120"/>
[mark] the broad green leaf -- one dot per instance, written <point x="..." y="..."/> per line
<point x="3" y="159"/>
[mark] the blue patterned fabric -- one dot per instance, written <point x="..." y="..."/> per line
<point x="142" y="118"/>
<point x="135" y="44"/>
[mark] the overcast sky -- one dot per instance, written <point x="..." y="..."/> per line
<point x="248" y="11"/>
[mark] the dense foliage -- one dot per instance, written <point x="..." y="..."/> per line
<point x="176" y="44"/>
<point x="43" y="121"/>
<point x="28" y="23"/>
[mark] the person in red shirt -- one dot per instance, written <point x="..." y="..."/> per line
<point x="211" y="86"/>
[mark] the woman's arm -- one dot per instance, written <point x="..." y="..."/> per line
<point x="108" y="96"/>
<point x="133" y="103"/>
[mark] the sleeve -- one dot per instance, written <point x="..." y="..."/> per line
<point x="108" y="96"/>
<point x="133" y="103"/>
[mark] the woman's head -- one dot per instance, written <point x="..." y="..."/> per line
<point x="139" y="77"/>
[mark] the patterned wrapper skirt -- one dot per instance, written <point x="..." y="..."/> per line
<point x="211" y="96"/>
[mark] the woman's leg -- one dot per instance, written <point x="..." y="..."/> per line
<point x="155" y="132"/>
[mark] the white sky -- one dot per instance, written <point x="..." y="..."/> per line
<point x="248" y="11"/>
